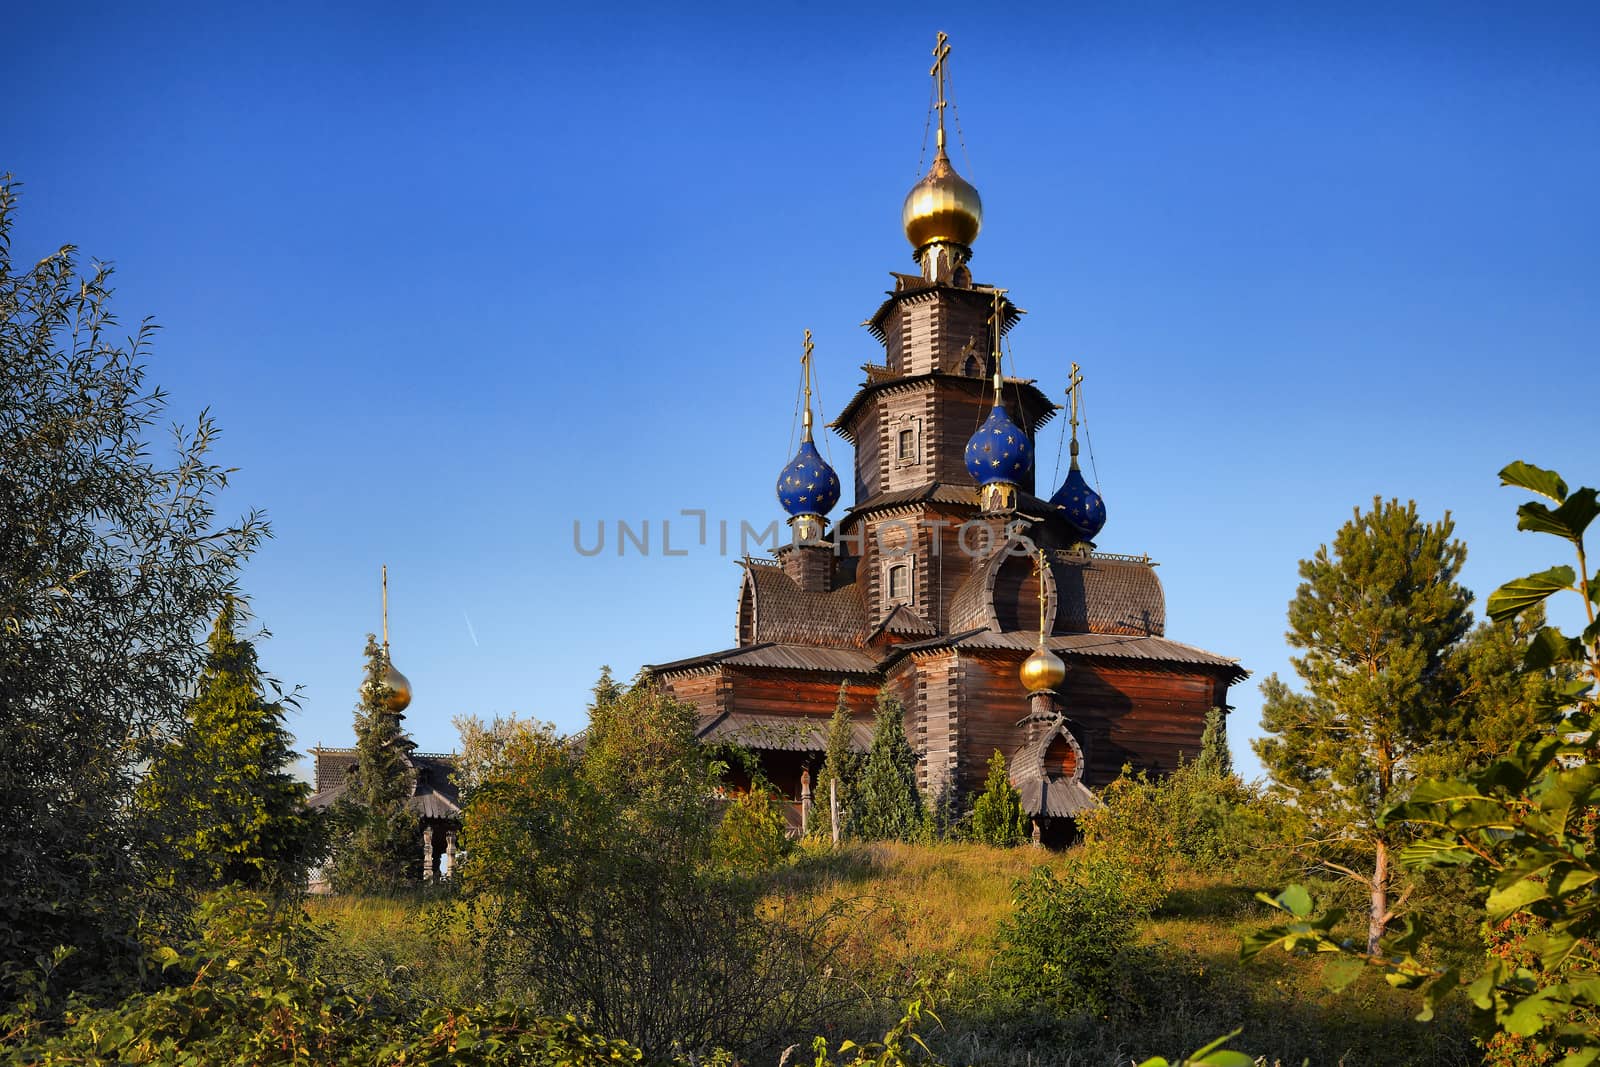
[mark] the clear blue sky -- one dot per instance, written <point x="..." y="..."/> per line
<point x="452" y="279"/>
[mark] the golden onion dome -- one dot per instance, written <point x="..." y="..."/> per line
<point x="1043" y="670"/>
<point x="399" y="689"/>
<point x="943" y="206"/>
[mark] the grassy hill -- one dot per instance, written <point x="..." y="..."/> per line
<point x="927" y="915"/>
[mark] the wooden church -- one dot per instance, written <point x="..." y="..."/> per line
<point x="979" y="598"/>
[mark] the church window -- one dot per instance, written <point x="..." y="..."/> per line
<point x="900" y="582"/>
<point x="906" y="441"/>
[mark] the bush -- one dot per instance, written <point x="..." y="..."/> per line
<point x="242" y="995"/>
<point x="1190" y="815"/>
<point x="753" y="835"/>
<point x="1059" y="947"/>
<point x="887" y="805"/>
<point x="997" y="815"/>
<point x="590" y="883"/>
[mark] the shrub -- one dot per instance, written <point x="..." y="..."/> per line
<point x="1189" y="815"/>
<point x="242" y="995"/>
<point x="589" y="884"/>
<point x="887" y="805"/>
<point x="753" y="834"/>
<point x="1059" y="947"/>
<point x="997" y="815"/>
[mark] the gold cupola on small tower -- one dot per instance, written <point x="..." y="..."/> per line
<point x="1043" y="670"/>
<point x="943" y="212"/>
<point x="399" y="685"/>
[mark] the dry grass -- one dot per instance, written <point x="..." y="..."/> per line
<point x="932" y="911"/>
<point x="928" y="913"/>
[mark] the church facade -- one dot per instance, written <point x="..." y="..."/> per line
<point x="977" y="597"/>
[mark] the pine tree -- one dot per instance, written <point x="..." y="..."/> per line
<point x="997" y="815"/>
<point x="379" y="844"/>
<point x="840" y="767"/>
<point x="221" y="800"/>
<point x="889" y="807"/>
<point x="1215" y="760"/>
<point x="1377" y="616"/>
<point x="1498" y="701"/>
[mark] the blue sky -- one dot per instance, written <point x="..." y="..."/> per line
<point x="451" y="278"/>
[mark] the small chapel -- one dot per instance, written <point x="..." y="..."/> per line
<point x="977" y="597"/>
<point x="435" y="797"/>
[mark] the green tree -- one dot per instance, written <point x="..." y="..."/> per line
<point x="1377" y="616"/>
<point x="221" y="800"/>
<point x="840" y="767"/>
<point x="378" y="845"/>
<point x="1215" y="759"/>
<point x="482" y="748"/>
<point x="1526" y="829"/>
<point x="111" y="566"/>
<point x="1498" y="700"/>
<point x="590" y="873"/>
<point x="997" y="815"/>
<point x="888" y="807"/>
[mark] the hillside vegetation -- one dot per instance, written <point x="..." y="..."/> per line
<point x="929" y="913"/>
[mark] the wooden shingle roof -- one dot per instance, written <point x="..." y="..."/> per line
<point x="1108" y="594"/>
<point x="434" y="793"/>
<point x="786" y="614"/>
<point x="779" y="657"/>
<point x="1129" y="647"/>
<point x="779" y="733"/>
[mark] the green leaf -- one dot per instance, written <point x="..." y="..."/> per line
<point x="1550" y="646"/>
<point x="1436" y="852"/>
<point x="1519" y="595"/>
<point x="1224" y="1058"/>
<point x="1446" y="983"/>
<point x="1530" y="1014"/>
<point x="1583" y="1057"/>
<point x="1295" y="900"/>
<point x="1519" y="894"/>
<point x="1569" y="520"/>
<point x="1535" y="479"/>
<point x="1341" y="972"/>
<point x="1200" y="1054"/>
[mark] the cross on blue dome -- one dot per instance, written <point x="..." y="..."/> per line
<point x="1082" y="507"/>
<point x="808" y="486"/>
<point x="999" y="451"/>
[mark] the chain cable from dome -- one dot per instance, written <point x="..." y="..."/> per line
<point x="1089" y="441"/>
<point x="927" y="124"/>
<point x="966" y="157"/>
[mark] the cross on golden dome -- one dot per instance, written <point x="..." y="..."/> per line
<point x="941" y="53"/>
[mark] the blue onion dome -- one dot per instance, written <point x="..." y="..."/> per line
<point x="1082" y="507"/>
<point x="999" y="451"/>
<point x="808" y="486"/>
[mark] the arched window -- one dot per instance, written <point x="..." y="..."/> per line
<point x="900" y="582"/>
<point x="1061" y="758"/>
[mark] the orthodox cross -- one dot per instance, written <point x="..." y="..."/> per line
<point x="1074" y="387"/>
<point x="1074" y="393"/>
<point x="386" y="613"/>
<point x="941" y="55"/>
<point x="997" y="319"/>
<point x="805" y="364"/>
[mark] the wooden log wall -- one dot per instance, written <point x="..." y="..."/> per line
<point x="1146" y="717"/>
